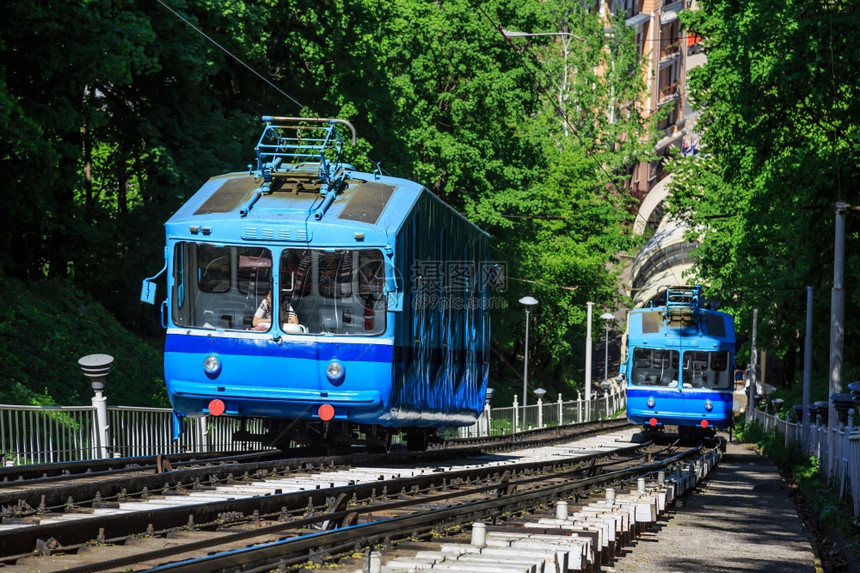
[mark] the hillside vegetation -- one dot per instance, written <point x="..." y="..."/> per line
<point x="46" y="327"/>
<point x="126" y="108"/>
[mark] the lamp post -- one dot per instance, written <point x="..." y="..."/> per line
<point x="527" y="302"/>
<point x="96" y="367"/>
<point x="606" y="316"/>
<point x="490" y="393"/>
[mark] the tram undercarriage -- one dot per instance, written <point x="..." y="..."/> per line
<point x="333" y="435"/>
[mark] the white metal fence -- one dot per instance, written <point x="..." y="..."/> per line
<point x="837" y="449"/>
<point x="49" y="434"/>
<point x="498" y="421"/>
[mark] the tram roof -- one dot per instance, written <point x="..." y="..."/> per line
<point x="368" y="209"/>
<point x="651" y="327"/>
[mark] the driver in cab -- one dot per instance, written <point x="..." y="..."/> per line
<point x="263" y="317"/>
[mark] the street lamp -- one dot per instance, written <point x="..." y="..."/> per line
<point x="96" y="367"/>
<point x="606" y="316"/>
<point x="486" y="418"/>
<point x="527" y="302"/>
<point x="515" y="34"/>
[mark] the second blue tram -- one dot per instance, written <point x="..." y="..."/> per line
<point x="679" y="365"/>
<point x="334" y="305"/>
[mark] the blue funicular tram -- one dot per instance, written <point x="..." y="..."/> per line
<point x="679" y="365"/>
<point x="377" y="299"/>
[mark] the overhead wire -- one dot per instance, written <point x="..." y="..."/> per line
<point x="498" y="27"/>
<point x="226" y="51"/>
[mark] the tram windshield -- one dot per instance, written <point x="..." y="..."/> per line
<point x="300" y="291"/>
<point x="660" y="367"/>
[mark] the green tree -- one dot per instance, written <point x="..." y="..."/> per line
<point x="114" y="112"/>
<point x="530" y="139"/>
<point x="779" y="130"/>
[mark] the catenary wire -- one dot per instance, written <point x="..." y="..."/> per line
<point x="226" y="51"/>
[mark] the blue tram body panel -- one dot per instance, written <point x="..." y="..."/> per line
<point x="309" y="291"/>
<point x="680" y="363"/>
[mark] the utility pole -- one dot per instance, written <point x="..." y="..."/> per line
<point x="837" y="312"/>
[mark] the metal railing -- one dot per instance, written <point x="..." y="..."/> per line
<point x="499" y="421"/>
<point x="50" y="434"/>
<point x="45" y="434"/>
<point x="837" y="449"/>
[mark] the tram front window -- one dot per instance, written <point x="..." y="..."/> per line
<point x="654" y="367"/>
<point x="218" y="287"/>
<point x="707" y="370"/>
<point x="337" y="291"/>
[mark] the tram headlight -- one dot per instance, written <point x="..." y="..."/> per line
<point x="334" y="371"/>
<point x="212" y="364"/>
<point x="708" y="405"/>
<point x="650" y="402"/>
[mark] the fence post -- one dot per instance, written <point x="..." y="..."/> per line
<point x="560" y="410"/>
<point x="817" y="452"/>
<point x="96" y="367"/>
<point x="517" y="415"/>
<point x="845" y="452"/>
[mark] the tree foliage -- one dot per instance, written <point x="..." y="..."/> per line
<point x="112" y="112"/>
<point x="779" y="129"/>
<point x="46" y="327"/>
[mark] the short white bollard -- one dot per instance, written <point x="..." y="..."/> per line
<point x="372" y="562"/>
<point x="479" y="534"/>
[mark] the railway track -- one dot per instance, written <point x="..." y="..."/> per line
<point x="311" y="512"/>
<point x="28" y="491"/>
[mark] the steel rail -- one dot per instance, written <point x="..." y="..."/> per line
<point x="28" y="495"/>
<point x="303" y="548"/>
<point x="15" y="476"/>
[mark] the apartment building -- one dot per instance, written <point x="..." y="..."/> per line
<point x="662" y="44"/>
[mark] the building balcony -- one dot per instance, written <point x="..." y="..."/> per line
<point x="668" y="93"/>
<point x="670" y="51"/>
